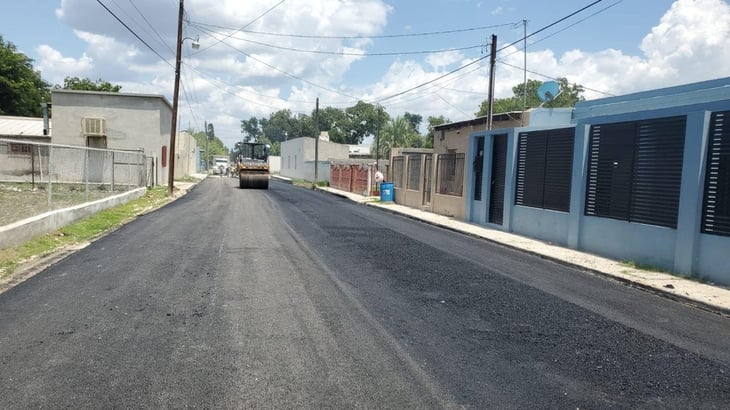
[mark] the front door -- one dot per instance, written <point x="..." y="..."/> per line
<point x="427" y="169"/>
<point x="478" y="169"/>
<point x="96" y="159"/>
<point x="499" y="168"/>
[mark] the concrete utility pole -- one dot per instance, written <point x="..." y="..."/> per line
<point x="176" y="93"/>
<point x="492" y="61"/>
<point x="316" y="143"/>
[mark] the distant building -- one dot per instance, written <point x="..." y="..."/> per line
<point x="123" y="122"/>
<point x="297" y="158"/>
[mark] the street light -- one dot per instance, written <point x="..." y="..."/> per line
<point x="176" y="94"/>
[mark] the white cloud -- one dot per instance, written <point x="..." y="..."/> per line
<point x="444" y="59"/>
<point x="688" y="44"/>
<point x="55" y="67"/>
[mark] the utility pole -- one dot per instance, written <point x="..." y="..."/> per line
<point x="492" y="61"/>
<point x="524" y="86"/>
<point x="316" y="143"/>
<point x="176" y="94"/>
<point x="377" y="143"/>
<point x="205" y="124"/>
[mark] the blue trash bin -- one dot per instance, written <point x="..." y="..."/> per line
<point x="386" y="191"/>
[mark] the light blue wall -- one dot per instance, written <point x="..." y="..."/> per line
<point x="546" y="225"/>
<point x="684" y="249"/>
<point x="712" y="259"/>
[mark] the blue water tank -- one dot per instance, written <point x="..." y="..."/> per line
<point x="386" y="191"/>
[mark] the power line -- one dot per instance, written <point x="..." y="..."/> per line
<point x="135" y="34"/>
<point x="553" y="78"/>
<point x="287" y="73"/>
<point x="251" y="22"/>
<point x="361" y="37"/>
<point x="482" y="58"/>
<point x="152" y="27"/>
<point x="342" y="53"/>
<point x="517" y="49"/>
<point x="550" y="25"/>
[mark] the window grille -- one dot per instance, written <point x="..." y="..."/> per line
<point x="398" y="171"/>
<point x="544" y="169"/>
<point x="450" y="174"/>
<point x="20" y="149"/>
<point x="635" y="170"/>
<point x="716" y="200"/>
<point x="414" y="172"/>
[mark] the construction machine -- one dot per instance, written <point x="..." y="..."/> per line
<point x="253" y="165"/>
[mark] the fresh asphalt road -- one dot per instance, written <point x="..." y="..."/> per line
<point x="290" y="298"/>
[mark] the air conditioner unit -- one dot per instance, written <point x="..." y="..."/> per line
<point x="93" y="126"/>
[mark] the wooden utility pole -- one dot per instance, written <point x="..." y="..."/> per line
<point x="492" y="61"/>
<point x="176" y="93"/>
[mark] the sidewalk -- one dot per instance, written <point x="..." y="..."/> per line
<point x="713" y="298"/>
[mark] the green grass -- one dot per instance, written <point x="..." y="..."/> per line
<point x="645" y="266"/>
<point x="81" y="231"/>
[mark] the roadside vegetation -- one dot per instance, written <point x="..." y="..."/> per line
<point x="80" y="232"/>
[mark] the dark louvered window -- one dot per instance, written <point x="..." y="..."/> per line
<point x="716" y="203"/>
<point x="635" y="170"/>
<point x="544" y="169"/>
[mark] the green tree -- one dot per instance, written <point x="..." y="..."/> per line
<point x="22" y="90"/>
<point x="398" y="132"/>
<point x="251" y="129"/>
<point x="569" y="95"/>
<point x="335" y="122"/>
<point x="85" y="84"/>
<point x="363" y="121"/>
<point x="432" y="123"/>
<point x="279" y="126"/>
<point x="415" y="121"/>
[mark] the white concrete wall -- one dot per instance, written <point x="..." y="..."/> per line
<point x="133" y="121"/>
<point x="297" y="158"/>
<point x="22" y="231"/>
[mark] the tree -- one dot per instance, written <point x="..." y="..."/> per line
<point x="251" y="129"/>
<point x="85" y="84"/>
<point x="433" y="122"/>
<point x="398" y="132"/>
<point x="279" y="126"/>
<point x="363" y="121"/>
<point x="569" y="95"/>
<point x="335" y="122"/>
<point x="22" y="90"/>
<point x="415" y="121"/>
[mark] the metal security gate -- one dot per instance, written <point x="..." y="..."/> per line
<point x="427" y="171"/>
<point x="478" y="169"/>
<point x="499" y="165"/>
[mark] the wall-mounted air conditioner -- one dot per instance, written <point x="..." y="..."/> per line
<point x="93" y="126"/>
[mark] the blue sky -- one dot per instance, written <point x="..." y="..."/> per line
<point x="616" y="46"/>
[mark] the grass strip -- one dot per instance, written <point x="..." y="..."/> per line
<point x="80" y="231"/>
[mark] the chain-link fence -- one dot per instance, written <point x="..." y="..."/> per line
<point x="37" y="177"/>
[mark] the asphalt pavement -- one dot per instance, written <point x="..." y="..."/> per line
<point x="708" y="296"/>
<point x="293" y="298"/>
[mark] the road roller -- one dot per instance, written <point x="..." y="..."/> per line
<point x="253" y="166"/>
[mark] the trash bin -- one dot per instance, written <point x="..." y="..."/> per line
<point x="386" y="191"/>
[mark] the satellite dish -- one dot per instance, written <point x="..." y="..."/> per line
<point x="548" y="91"/>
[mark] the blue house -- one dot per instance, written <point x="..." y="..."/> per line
<point x="643" y="177"/>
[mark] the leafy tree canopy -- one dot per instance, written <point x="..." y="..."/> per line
<point x="85" y="84"/>
<point x="569" y="95"/>
<point x="432" y="123"/>
<point x="22" y="90"/>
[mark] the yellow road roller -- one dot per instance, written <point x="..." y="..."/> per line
<point x="253" y="166"/>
